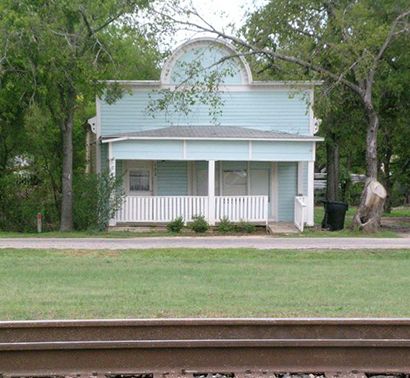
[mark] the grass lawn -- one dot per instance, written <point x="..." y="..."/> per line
<point x="51" y="284"/>
<point x="85" y="234"/>
<point x="316" y="231"/>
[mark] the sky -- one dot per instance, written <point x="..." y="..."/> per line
<point x="232" y="10"/>
<point x="221" y="13"/>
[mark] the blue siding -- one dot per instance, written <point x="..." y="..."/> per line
<point x="287" y="187"/>
<point x="282" y="151"/>
<point x="272" y="110"/>
<point x="217" y="150"/>
<point x="305" y="178"/>
<point x="204" y="59"/>
<point x="212" y="150"/>
<point x="119" y="168"/>
<point x="172" y="178"/>
<point x="104" y="158"/>
<point x="148" y="149"/>
<point x="261" y="165"/>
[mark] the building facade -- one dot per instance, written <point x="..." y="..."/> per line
<point x="253" y="162"/>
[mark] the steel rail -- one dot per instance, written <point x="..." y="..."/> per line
<point x="183" y="347"/>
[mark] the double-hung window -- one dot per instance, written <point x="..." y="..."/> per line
<point x="140" y="180"/>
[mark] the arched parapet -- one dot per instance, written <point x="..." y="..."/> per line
<point x="200" y="57"/>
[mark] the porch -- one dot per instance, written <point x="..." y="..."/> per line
<point x="164" y="209"/>
<point x="218" y="172"/>
<point x="158" y="192"/>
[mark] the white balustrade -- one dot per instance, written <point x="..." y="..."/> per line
<point x="242" y="208"/>
<point x="300" y="213"/>
<point x="162" y="209"/>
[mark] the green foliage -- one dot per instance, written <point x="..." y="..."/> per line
<point x="196" y="84"/>
<point x="54" y="58"/>
<point x="199" y="224"/>
<point x="225" y="226"/>
<point x="245" y="227"/>
<point x="96" y="200"/>
<point x="22" y="197"/>
<point x="176" y="225"/>
<point x="354" y="194"/>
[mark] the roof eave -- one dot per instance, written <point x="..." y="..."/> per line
<point x="284" y="139"/>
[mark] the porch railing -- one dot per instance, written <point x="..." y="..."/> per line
<point x="300" y="213"/>
<point x="162" y="209"/>
<point x="238" y="208"/>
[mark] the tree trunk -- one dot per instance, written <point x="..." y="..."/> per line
<point x="332" y="169"/>
<point x="66" y="223"/>
<point x="387" y="179"/>
<point x="368" y="215"/>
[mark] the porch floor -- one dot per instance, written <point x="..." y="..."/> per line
<point x="276" y="228"/>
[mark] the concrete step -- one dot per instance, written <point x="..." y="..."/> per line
<point x="282" y="228"/>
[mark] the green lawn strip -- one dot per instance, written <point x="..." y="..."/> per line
<point x="51" y="284"/>
<point x="85" y="234"/>
<point x="398" y="212"/>
<point x="346" y="233"/>
<point x="309" y="231"/>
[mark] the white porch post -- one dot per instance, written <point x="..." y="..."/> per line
<point x="310" y="193"/>
<point x="111" y="167"/>
<point x="211" y="192"/>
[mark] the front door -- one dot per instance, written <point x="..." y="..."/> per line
<point x="259" y="185"/>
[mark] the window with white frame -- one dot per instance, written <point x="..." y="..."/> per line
<point x="140" y="180"/>
<point x="235" y="181"/>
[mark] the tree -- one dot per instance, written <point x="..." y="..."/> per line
<point x="63" y="48"/>
<point x="341" y="41"/>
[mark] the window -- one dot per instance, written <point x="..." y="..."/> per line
<point x="140" y="180"/>
<point x="235" y="181"/>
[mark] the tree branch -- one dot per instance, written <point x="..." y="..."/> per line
<point x="392" y="33"/>
<point x="273" y="54"/>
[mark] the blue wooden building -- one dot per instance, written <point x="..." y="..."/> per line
<point x="255" y="164"/>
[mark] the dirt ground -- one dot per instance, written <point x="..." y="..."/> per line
<point x="396" y="224"/>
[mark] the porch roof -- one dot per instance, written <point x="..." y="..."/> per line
<point x="209" y="133"/>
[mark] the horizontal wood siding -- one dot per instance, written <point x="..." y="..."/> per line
<point x="207" y="58"/>
<point x="172" y="178"/>
<point x="212" y="150"/>
<point x="104" y="158"/>
<point x="119" y="166"/>
<point x="282" y="151"/>
<point x="148" y="150"/>
<point x="287" y="187"/>
<point x="275" y="110"/>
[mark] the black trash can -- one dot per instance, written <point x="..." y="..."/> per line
<point x="335" y="213"/>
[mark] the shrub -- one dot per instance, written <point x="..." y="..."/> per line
<point x="97" y="197"/>
<point x="199" y="224"/>
<point x="245" y="227"/>
<point x="225" y="226"/>
<point x="22" y="197"/>
<point x="176" y="225"/>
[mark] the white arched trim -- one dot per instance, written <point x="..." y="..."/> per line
<point x="166" y="72"/>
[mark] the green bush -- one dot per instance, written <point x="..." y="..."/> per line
<point x="245" y="227"/>
<point x="225" y="226"/>
<point x="199" y="224"/>
<point x="176" y="225"/>
<point x="97" y="197"/>
<point x="22" y="197"/>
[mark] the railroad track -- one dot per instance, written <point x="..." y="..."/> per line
<point x="200" y="348"/>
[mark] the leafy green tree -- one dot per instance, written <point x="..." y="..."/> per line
<point x="341" y="41"/>
<point x="62" y="49"/>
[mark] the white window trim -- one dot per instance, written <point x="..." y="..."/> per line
<point x="135" y="166"/>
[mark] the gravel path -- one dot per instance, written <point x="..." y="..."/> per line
<point x="259" y="242"/>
